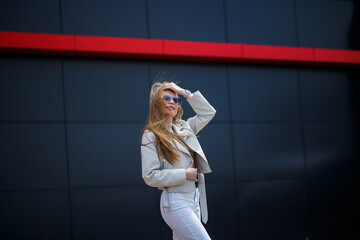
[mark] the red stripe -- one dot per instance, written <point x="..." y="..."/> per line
<point x="117" y="47"/>
<point x="131" y="48"/>
<point x="36" y="43"/>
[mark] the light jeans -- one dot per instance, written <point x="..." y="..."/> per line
<point x="183" y="216"/>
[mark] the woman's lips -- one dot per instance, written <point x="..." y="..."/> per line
<point x="171" y="107"/>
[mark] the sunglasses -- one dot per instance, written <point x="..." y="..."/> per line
<point x="167" y="99"/>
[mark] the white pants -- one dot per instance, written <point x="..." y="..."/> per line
<point x="183" y="216"/>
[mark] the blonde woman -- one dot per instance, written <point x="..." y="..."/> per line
<point x="173" y="160"/>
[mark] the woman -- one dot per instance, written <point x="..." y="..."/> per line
<point x="173" y="161"/>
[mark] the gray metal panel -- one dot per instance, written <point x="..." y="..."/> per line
<point x="264" y="94"/>
<point x="326" y="24"/>
<point x="39" y="16"/>
<point x="261" y="22"/>
<point x="103" y="154"/>
<point x="201" y="20"/>
<point x="31" y="89"/>
<point x="105" y="18"/>
<point x="35" y="215"/>
<point x="33" y="156"/>
<point x="273" y="210"/>
<point x="106" y="90"/>
<point x="268" y="151"/>
<point x="327" y="95"/>
<point x="330" y="149"/>
<point x="115" y="213"/>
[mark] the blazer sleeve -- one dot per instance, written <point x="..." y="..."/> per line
<point x="152" y="173"/>
<point x="204" y="112"/>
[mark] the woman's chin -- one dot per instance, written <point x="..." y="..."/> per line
<point x="169" y="114"/>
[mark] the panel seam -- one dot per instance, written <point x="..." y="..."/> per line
<point x="67" y="151"/>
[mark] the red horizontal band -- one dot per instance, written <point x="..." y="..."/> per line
<point x="117" y="47"/>
<point x="152" y="49"/>
<point x="36" y="43"/>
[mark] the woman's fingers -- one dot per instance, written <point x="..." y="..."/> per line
<point x="191" y="173"/>
<point x="194" y="173"/>
<point x="173" y="87"/>
<point x="169" y="86"/>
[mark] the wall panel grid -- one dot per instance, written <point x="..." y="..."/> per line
<point x="283" y="146"/>
<point x="282" y="131"/>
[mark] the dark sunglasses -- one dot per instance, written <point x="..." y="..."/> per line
<point x="176" y="100"/>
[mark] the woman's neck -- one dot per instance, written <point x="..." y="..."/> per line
<point x="168" y="122"/>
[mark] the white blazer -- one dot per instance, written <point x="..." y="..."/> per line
<point x="157" y="172"/>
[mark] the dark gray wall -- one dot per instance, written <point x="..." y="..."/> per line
<point x="284" y="145"/>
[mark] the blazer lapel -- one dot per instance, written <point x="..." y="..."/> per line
<point x="193" y="143"/>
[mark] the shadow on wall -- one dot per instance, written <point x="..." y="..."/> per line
<point x="353" y="73"/>
<point x="354" y="86"/>
<point x="354" y="33"/>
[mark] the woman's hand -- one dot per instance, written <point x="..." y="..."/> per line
<point x="191" y="172"/>
<point x="172" y="86"/>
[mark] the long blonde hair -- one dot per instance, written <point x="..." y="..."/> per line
<point x="165" y="139"/>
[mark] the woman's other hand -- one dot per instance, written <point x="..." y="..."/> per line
<point x="191" y="172"/>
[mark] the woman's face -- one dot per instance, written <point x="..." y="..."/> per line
<point x="169" y="108"/>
